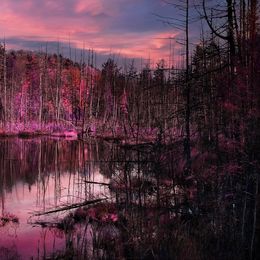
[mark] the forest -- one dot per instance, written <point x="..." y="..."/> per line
<point x="188" y="132"/>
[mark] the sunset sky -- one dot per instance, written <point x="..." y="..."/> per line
<point x="127" y="28"/>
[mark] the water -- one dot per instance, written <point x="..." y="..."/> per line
<point x="149" y="211"/>
<point x="37" y="175"/>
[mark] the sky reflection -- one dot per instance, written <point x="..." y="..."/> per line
<point x="60" y="184"/>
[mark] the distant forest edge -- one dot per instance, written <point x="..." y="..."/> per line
<point x="48" y="92"/>
<point x="216" y="93"/>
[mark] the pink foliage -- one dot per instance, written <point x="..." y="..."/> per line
<point x="228" y="146"/>
<point x="124" y="102"/>
<point x="230" y="107"/>
<point x="25" y="86"/>
<point x="232" y="168"/>
<point x="109" y="217"/>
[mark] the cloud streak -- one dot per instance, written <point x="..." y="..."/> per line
<point x="127" y="27"/>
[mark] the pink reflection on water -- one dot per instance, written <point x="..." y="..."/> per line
<point x="50" y="189"/>
<point x="28" y="240"/>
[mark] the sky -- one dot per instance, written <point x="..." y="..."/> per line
<point x="119" y="28"/>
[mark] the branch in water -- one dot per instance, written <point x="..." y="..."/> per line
<point x="73" y="206"/>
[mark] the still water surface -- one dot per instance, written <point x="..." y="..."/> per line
<point x="37" y="175"/>
<point x="150" y="211"/>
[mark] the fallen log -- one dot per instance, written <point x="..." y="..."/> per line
<point x="95" y="182"/>
<point x="73" y="206"/>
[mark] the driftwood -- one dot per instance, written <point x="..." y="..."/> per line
<point x="95" y="182"/>
<point x="73" y="206"/>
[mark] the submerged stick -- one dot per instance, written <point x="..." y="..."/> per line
<point x="73" y="206"/>
<point x="95" y="182"/>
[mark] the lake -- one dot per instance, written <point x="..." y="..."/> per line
<point x="37" y="175"/>
<point x="69" y="199"/>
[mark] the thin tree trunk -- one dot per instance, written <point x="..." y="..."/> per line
<point x="187" y="96"/>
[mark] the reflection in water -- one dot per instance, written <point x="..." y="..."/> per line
<point x="39" y="174"/>
<point x="147" y="210"/>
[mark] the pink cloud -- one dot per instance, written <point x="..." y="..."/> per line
<point x="90" y="22"/>
<point x="93" y="7"/>
<point x="150" y="45"/>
